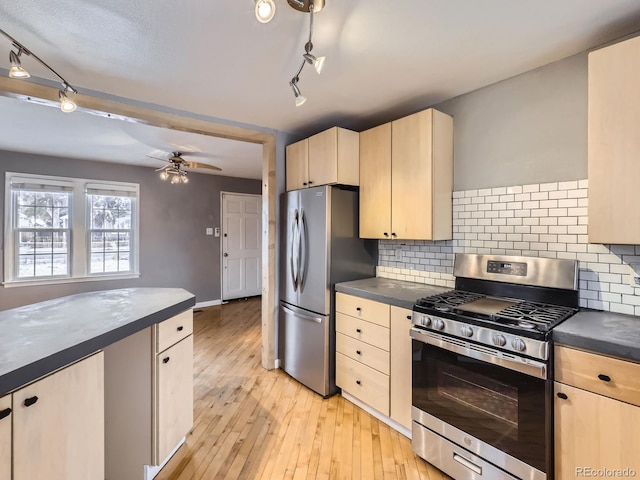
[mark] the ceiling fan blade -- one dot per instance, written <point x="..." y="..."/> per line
<point x="163" y="168"/>
<point x="157" y="158"/>
<point x="202" y="165"/>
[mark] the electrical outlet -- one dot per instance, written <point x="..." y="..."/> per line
<point x="398" y="254"/>
<point x="636" y="280"/>
<point x="209" y="231"/>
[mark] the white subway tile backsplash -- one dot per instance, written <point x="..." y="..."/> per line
<point x="546" y="220"/>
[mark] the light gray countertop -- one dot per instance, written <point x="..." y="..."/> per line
<point x="394" y="292"/>
<point x="40" y="338"/>
<point x="608" y="333"/>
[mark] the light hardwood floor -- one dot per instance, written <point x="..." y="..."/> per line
<point x="256" y="424"/>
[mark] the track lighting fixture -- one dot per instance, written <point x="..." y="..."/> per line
<point x="265" y="10"/>
<point x="18" y="71"/>
<point x="310" y="6"/>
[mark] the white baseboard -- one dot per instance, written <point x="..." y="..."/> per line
<point x="383" y="418"/>
<point x="150" y="471"/>
<point x="210" y="303"/>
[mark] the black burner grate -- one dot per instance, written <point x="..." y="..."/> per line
<point x="445" y="302"/>
<point x="539" y="315"/>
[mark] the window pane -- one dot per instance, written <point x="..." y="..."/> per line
<point x="111" y="262"/>
<point x="60" y="218"/>
<point x="26" y="243"/>
<point x="26" y="217"/>
<point x="60" y="264"/>
<point x="44" y="265"/>
<point x="26" y="266"/>
<point x="60" y="242"/>
<point x="97" y="263"/>
<point x="111" y="242"/>
<point x="110" y="212"/>
<point x="123" y="260"/>
<point x="123" y="241"/>
<point x="97" y="241"/>
<point x="44" y="242"/>
<point x="26" y="198"/>
<point x="44" y="199"/>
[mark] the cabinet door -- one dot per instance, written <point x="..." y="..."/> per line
<point x="174" y="397"/>
<point x="297" y="161"/>
<point x="400" y="376"/>
<point x="375" y="182"/>
<point x="593" y="432"/>
<point x="5" y="438"/>
<point x="323" y="157"/>
<point x="614" y="144"/>
<point x="58" y="425"/>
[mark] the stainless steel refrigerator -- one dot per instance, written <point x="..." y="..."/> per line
<point x="320" y="248"/>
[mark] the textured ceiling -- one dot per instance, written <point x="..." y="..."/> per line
<point x="384" y="58"/>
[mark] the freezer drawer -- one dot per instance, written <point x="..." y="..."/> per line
<point x="305" y="338"/>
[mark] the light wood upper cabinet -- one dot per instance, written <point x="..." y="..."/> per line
<point x="375" y="182"/>
<point x="400" y="376"/>
<point x="420" y="171"/>
<point x="58" y="425"/>
<point x="614" y="143"/>
<point x="5" y="438"/>
<point x="297" y="160"/>
<point x="331" y="156"/>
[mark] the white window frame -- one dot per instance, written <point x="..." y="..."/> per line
<point x="79" y="226"/>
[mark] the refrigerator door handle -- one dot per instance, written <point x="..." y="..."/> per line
<point x="304" y="317"/>
<point x="302" y="276"/>
<point x="294" y="259"/>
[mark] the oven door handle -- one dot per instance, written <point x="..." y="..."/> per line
<point x="526" y="366"/>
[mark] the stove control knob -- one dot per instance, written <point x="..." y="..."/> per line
<point x="425" y="321"/>
<point x="438" y="324"/>
<point x="518" y="345"/>
<point x="466" y="331"/>
<point x="499" y="340"/>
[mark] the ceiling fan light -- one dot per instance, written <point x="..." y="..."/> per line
<point x="66" y="104"/>
<point x="17" y="70"/>
<point x="175" y="179"/>
<point x="185" y="179"/>
<point x="265" y="10"/>
<point x="164" y="175"/>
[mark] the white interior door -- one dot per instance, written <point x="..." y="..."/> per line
<point x="241" y="245"/>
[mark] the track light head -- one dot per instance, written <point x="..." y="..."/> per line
<point x="66" y="104"/>
<point x="265" y="10"/>
<point x="300" y="99"/>
<point x="317" y="62"/>
<point x="17" y="70"/>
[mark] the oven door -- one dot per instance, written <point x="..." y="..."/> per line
<point x="495" y="401"/>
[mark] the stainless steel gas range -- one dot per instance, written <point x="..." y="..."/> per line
<point x="481" y="368"/>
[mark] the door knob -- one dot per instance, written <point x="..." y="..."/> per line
<point x="226" y="254"/>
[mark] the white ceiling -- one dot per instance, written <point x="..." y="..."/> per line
<point x="211" y="57"/>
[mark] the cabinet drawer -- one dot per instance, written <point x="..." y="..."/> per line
<point x="367" y="384"/>
<point x="369" y="310"/>
<point x="371" y="356"/>
<point x="591" y="372"/>
<point x="362" y="330"/>
<point x="173" y="330"/>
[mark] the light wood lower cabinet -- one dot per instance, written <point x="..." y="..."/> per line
<point x="595" y="430"/>
<point x="58" y="425"/>
<point x="400" y="377"/>
<point x="149" y="401"/>
<point x="5" y="438"/>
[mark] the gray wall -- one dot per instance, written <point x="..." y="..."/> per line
<point x="531" y="128"/>
<point x="174" y="250"/>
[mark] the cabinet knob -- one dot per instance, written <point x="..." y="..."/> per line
<point x="30" y="401"/>
<point x="561" y="395"/>
<point x="358" y="382"/>
<point x="225" y="254"/>
<point x="358" y="309"/>
<point x="358" y="352"/>
<point x="604" y="378"/>
<point x="310" y="182"/>
<point x="180" y="328"/>
<point x="165" y="360"/>
<point x="5" y="413"/>
<point x="385" y="234"/>
<point x="393" y="234"/>
<point x="358" y="330"/>
<point x="304" y="183"/>
<point x="408" y="317"/>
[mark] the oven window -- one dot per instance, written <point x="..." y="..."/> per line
<point x="498" y="406"/>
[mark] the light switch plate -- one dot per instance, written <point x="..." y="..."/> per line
<point x="209" y="231"/>
<point x="217" y="232"/>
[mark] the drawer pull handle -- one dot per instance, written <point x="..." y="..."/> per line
<point x="180" y="328"/>
<point x="358" y="352"/>
<point x="358" y="330"/>
<point x="5" y="413"/>
<point x="563" y="396"/>
<point x="30" y="401"/>
<point x="165" y="360"/>
<point x="408" y="317"/>
<point x="386" y="234"/>
<point x="358" y="309"/>
<point x="604" y="378"/>
<point x="358" y="382"/>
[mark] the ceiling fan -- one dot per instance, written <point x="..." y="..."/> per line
<point x="174" y="170"/>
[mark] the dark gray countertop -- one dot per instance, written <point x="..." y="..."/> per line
<point x="601" y="332"/>
<point x="394" y="292"/>
<point x="41" y="338"/>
